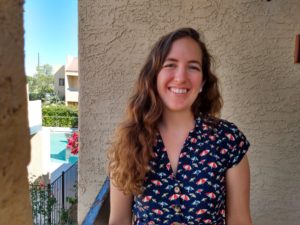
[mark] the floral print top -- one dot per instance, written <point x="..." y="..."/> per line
<point x="196" y="194"/>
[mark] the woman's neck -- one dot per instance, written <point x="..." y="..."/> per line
<point x="177" y="121"/>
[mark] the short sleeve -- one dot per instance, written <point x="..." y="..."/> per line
<point x="239" y="145"/>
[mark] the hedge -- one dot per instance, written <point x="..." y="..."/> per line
<point x="59" y="116"/>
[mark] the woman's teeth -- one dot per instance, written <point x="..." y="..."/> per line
<point x="178" y="90"/>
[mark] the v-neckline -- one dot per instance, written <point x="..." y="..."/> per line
<point x="172" y="172"/>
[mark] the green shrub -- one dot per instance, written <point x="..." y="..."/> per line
<point x="59" y="116"/>
<point x="35" y="96"/>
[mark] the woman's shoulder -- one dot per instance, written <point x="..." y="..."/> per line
<point x="227" y="125"/>
<point x="220" y="125"/>
<point x="233" y="141"/>
<point x="232" y="132"/>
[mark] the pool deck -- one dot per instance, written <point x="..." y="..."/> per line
<point x="62" y="129"/>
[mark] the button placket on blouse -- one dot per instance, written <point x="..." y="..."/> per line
<point x="177" y="190"/>
<point x="178" y="185"/>
<point x="175" y="223"/>
<point x="175" y="178"/>
<point x="177" y="203"/>
<point x="177" y="206"/>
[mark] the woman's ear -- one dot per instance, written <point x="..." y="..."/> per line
<point x="200" y="90"/>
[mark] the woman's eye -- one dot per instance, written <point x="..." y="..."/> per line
<point x="195" y="68"/>
<point x="169" y="65"/>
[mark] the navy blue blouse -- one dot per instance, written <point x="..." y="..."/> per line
<point x="196" y="194"/>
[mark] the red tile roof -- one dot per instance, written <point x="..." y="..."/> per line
<point x="72" y="65"/>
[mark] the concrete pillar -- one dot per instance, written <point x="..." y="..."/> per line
<point x="15" y="206"/>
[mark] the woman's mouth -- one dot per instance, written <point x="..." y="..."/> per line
<point x="178" y="90"/>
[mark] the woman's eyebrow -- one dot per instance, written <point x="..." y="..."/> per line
<point x="191" y="61"/>
<point x="171" y="59"/>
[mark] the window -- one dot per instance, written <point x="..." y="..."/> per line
<point x="61" y="82"/>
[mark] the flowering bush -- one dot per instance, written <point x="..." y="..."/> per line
<point x="73" y="144"/>
<point x="42" y="201"/>
<point x="46" y="209"/>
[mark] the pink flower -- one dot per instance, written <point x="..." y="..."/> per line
<point x="73" y="143"/>
<point x="74" y="151"/>
<point x="75" y="135"/>
<point x="41" y="184"/>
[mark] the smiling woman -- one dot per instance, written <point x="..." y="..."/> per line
<point x="181" y="78"/>
<point x="172" y="158"/>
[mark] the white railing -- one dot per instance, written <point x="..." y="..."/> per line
<point x="72" y="95"/>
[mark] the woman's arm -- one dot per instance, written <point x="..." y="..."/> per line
<point x="120" y="207"/>
<point x="238" y="194"/>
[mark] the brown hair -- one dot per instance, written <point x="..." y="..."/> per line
<point x="131" y="149"/>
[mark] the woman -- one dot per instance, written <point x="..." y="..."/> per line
<point x="173" y="161"/>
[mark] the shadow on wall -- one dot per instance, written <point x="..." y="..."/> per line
<point x="103" y="216"/>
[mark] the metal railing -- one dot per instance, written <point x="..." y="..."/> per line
<point x="50" y="201"/>
<point x="97" y="207"/>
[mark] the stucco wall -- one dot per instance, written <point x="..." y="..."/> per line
<point x="35" y="167"/>
<point x="59" y="74"/>
<point x="253" y="44"/>
<point x="14" y="133"/>
<point x="39" y="155"/>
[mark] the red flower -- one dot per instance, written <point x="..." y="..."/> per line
<point x="73" y="143"/>
<point x="41" y="184"/>
<point x="74" y="151"/>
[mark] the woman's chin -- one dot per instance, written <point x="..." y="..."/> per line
<point x="178" y="108"/>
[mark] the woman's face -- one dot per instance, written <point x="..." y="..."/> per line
<point x="180" y="79"/>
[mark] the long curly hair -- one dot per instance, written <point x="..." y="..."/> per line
<point x="131" y="149"/>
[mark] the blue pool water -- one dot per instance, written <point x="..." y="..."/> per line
<point x="58" y="148"/>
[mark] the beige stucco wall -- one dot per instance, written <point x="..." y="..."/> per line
<point x="59" y="74"/>
<point x="35" y="167"/>
<point x="253" y="44"/>
<point x="73" y="82"/>
<point x="14" y="134"/>
<point x="39" y="155"/>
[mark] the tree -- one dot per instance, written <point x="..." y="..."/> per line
<point x="41" y="85"/>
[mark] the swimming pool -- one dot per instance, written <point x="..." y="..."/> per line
<point x="58" y="148"/>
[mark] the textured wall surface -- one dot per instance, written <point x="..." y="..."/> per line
<point x="35" y="166"/>
<point x="59" y="74"/>
<point x="39" y="155"/>
<point x="253" y="44"/>
<point x="14" y="134"/>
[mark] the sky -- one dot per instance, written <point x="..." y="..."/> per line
<point x="51" y="29"/>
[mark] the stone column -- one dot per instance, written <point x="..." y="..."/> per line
<point x="15" y="206"/>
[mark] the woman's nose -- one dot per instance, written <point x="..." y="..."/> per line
<point x="180" y="74"/>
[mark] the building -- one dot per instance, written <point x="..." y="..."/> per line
<point x="59" y="81"/>
<point x="71" y="81"/>
<point x="66" y="81"/>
